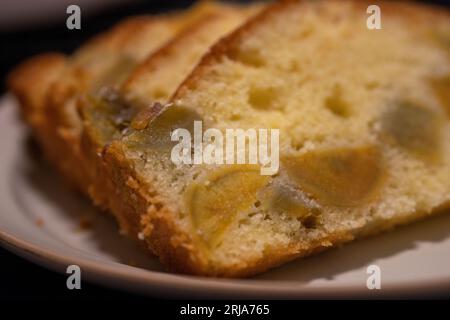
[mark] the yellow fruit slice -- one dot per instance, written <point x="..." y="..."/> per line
<point x="414" y="129"/>
<point x="108" y="114"/>
<point x="152" y="129"/>
<point x="215" y="203"/>
<point x="344" y="177"/>
<point x="283" y="198"/>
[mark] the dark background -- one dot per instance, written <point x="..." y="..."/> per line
<point x="20" y="279"/>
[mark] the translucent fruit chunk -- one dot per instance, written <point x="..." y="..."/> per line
<point x="153" y="130"/>
<point x="413" y="128"/>
<point x="343" y="177"/>
<point x="215" y="204"/>
<point x="108" y="113"/>
<point x="283" y="198"/>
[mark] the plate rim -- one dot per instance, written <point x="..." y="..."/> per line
<point x="149" y="282"/>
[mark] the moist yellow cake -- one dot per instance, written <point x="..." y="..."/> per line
<point x="364" y="138"/>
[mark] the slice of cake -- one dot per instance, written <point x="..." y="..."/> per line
<point x="363" y="127"/>
<point x="29" y="82"/>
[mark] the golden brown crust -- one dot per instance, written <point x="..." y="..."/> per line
<point x="153" y="61"/>
<point x="225" y="45"/>
<point x="138" y="208"/>
<point x="29" y="83"/>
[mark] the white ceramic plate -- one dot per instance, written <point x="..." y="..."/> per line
<point x="40" y="220"/>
